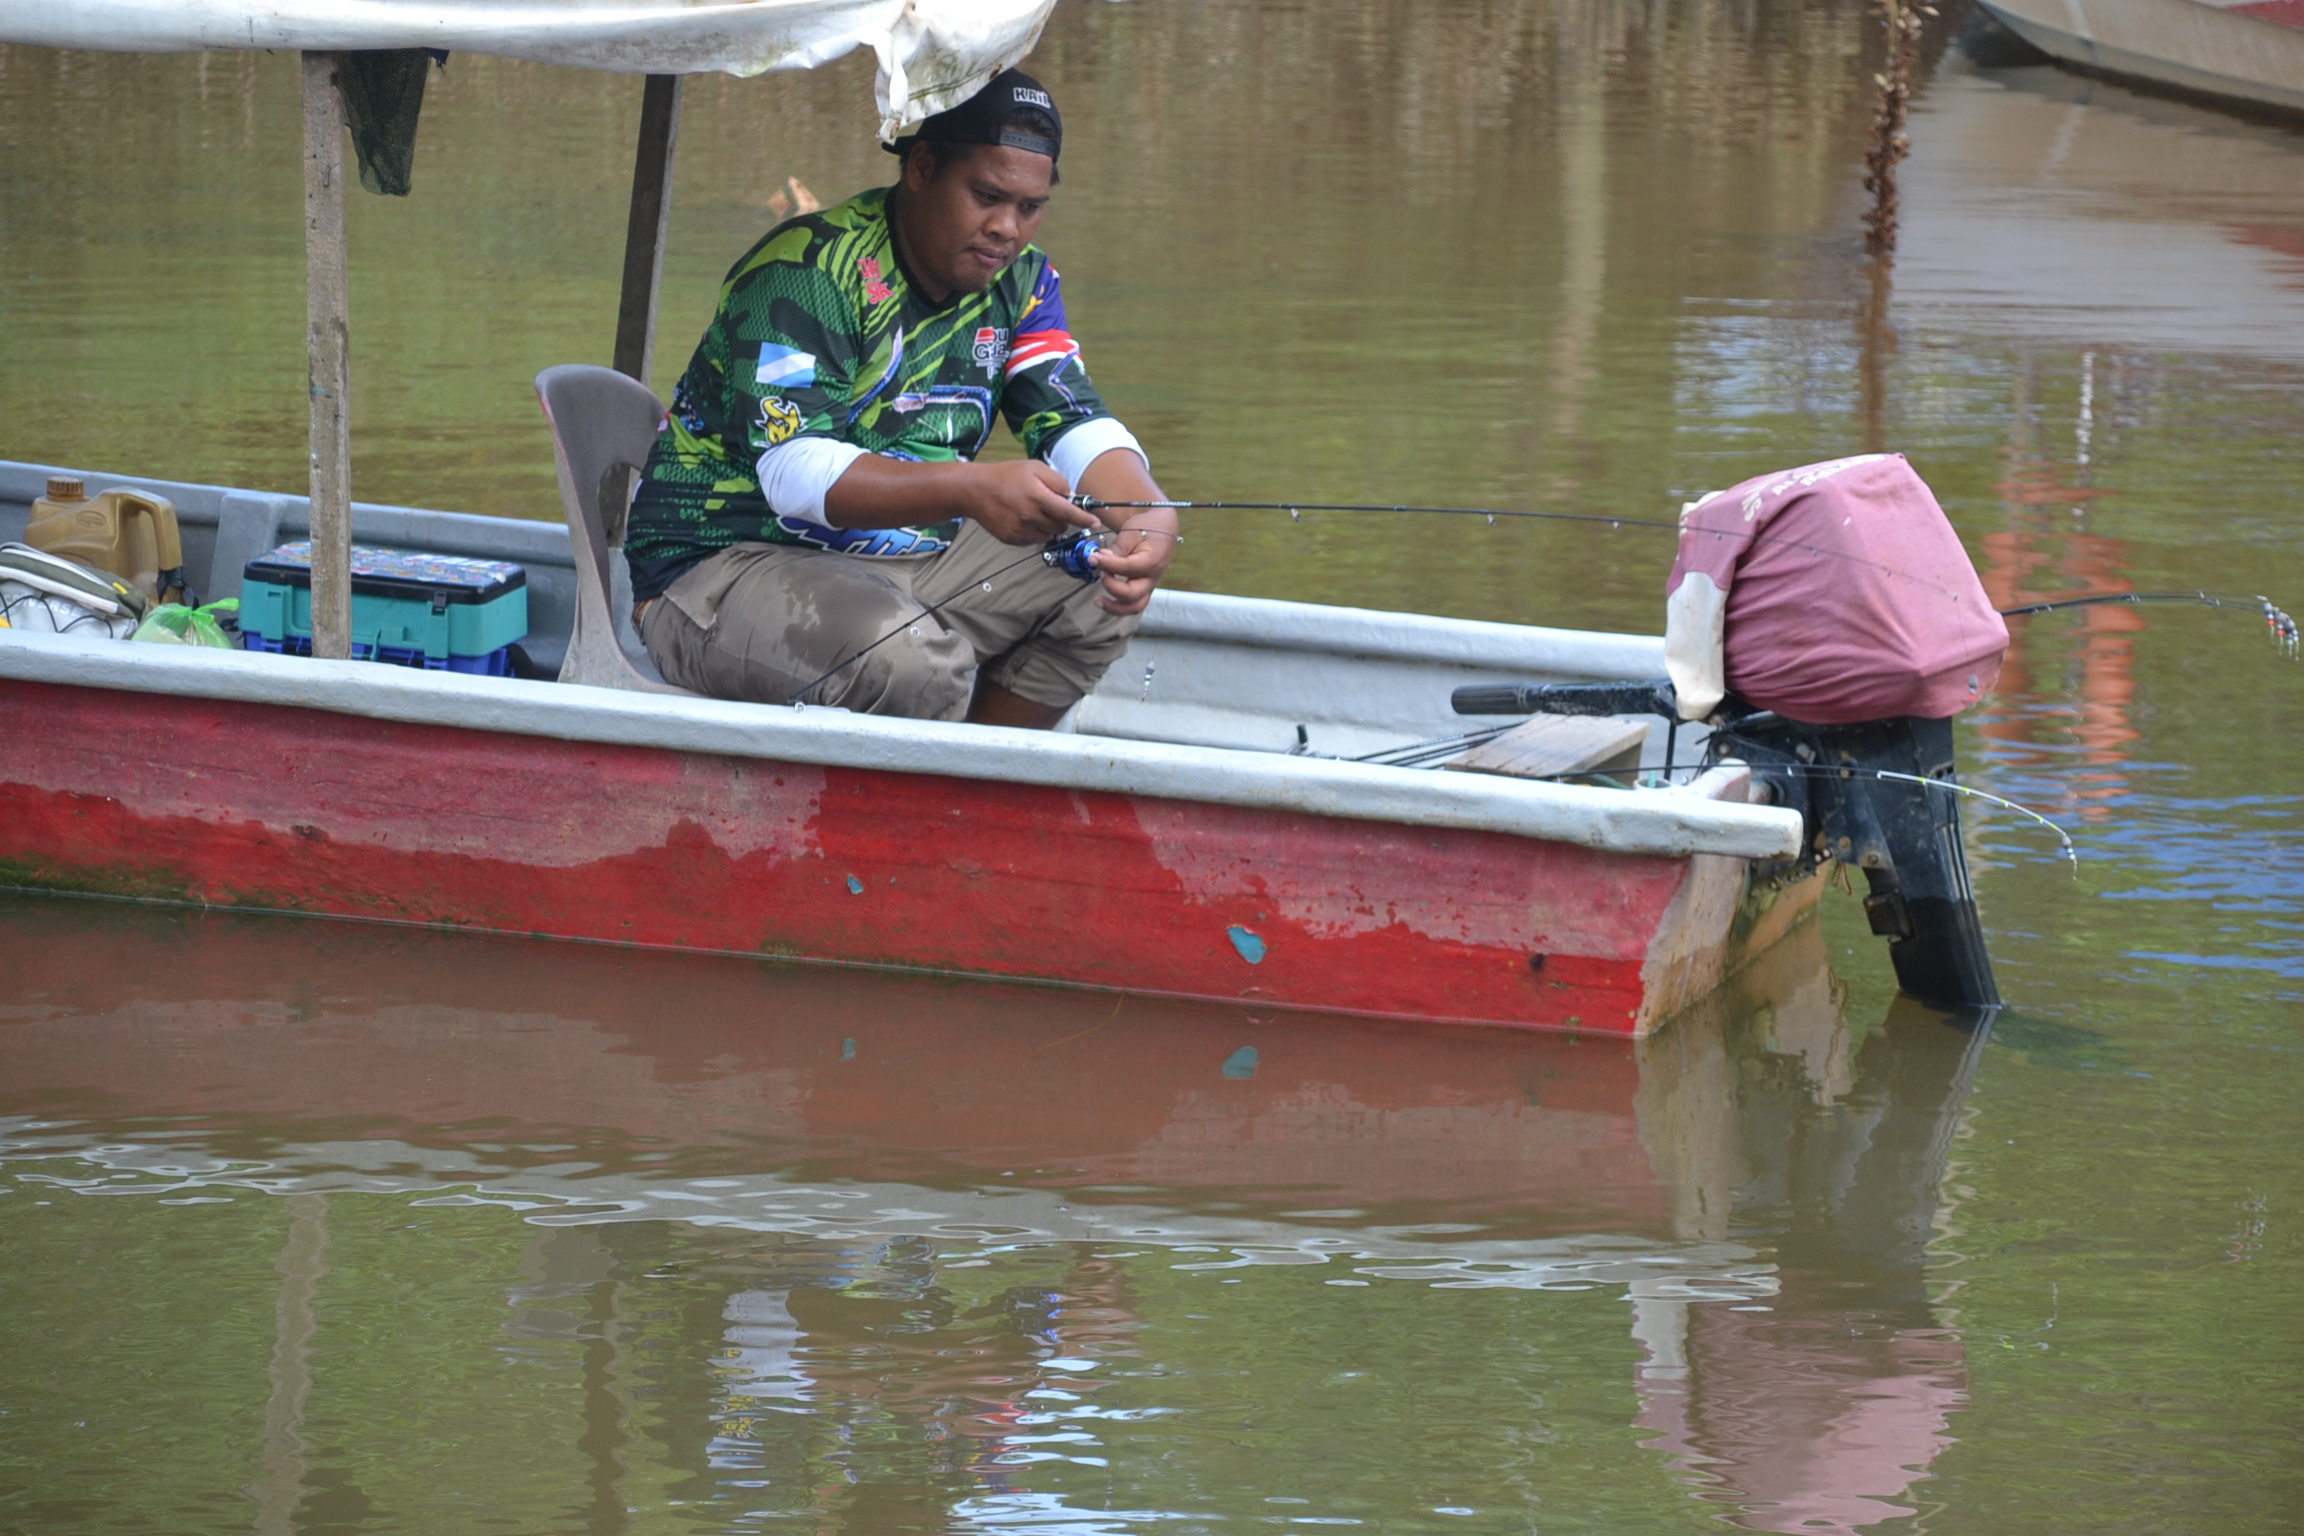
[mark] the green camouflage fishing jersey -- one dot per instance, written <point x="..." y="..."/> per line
<point x="819" y="334"/>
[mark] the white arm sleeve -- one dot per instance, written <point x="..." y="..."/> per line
<point x="795" y="476"/>
<point x="1088" y="442"/>
<point x="1695" y="627"/>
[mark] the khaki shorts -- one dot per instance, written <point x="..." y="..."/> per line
<point x="761" y="622"/>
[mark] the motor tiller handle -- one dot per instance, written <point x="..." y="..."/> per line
<point x="1652" y="698"/>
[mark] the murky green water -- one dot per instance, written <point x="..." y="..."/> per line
<point x="321" y="1228"/>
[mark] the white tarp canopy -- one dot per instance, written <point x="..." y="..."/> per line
<point x="932" y="53"/>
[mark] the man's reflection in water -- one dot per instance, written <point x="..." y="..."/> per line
<point x="1821" y="1411"/>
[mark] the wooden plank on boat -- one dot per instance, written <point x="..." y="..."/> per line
<point x="1548" y="746"/>
<point x="328" y="357"/>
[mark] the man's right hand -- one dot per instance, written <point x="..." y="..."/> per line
<point x="1022" y="502"/>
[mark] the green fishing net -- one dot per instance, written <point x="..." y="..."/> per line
<point x="383" y="92"/>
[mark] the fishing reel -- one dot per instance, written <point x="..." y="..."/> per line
<point x="1072" y="554"/>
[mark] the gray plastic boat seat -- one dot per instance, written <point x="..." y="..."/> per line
<point x="601" y="420"/>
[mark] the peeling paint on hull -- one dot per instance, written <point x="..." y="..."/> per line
<point x="235" y="804"/>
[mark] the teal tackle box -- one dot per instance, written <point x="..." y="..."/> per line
<point x="445" y="612"/>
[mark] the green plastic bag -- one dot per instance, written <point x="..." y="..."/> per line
<point x="175" y="624"/>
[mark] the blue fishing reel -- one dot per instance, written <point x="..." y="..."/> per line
<point x="1070" y="554"/>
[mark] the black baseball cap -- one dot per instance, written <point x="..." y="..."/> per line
<point x="982" y="118"/>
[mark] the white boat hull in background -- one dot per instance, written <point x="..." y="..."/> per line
<point x="2182" y="45"/>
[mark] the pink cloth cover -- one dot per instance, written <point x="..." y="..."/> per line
<point x="1832" y="593"/>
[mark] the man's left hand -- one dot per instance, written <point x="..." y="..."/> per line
<point x="1139" y="557"/>
<point x="1137" y="560"/>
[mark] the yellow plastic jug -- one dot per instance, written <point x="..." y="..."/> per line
<point x="118" y="530"/>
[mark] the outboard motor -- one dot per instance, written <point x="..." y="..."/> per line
<point x="1903" y="835"/>
<point x="1826" y="625"/>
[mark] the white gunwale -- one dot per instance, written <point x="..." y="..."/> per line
<point x="1668" y="822"/>
<point x="1392" y="659"/>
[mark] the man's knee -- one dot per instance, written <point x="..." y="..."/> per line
<point x="1063" y="662"/>
<point x="810" y="628"/>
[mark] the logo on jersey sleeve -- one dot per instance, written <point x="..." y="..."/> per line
<point x="783" y="367"/>
<point x="991" y="349"/>
<point x="1041" y="347"/>
<point x="779" y="420"/>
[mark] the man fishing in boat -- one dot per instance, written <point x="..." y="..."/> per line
<point x="815" y="500"/>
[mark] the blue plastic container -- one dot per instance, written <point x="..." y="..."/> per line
<point x="444" y="612"/>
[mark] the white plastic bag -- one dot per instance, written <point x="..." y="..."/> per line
<point x="47" y="594"/>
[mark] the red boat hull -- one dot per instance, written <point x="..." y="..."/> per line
<point x="255" y="805"/>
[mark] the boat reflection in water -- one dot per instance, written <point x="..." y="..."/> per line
<point x="842" y="1151"/>
<point x="1817" y="1410"/>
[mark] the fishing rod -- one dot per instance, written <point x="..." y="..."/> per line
<point x="2283" y="628"/>
<point x="1296" y="509"/>
<point x="1097" y="504"/>
<point x="1071" y="553"/>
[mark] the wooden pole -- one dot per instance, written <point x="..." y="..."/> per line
<point x="644" y="233"/>
<point x="643" y="265"/>
<point x="327" y="342"/>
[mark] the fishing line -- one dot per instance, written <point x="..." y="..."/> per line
<point x="1828" y="770"/>
<point x="983" y="583"/>
<point x="1852" y="770"/>
<point x="1045" y="554"/>
<point x="1423" y="751"/>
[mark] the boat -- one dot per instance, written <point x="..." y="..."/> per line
<point x="2249" y="54"/>
<point x="1196" y="828"/>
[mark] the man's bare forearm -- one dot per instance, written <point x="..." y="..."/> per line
<point x="1017" y="502"/>
<point x="877" y="492"/>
